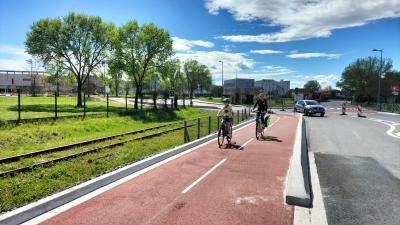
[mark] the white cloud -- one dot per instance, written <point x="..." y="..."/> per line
<point x="13" y="58"/>
<point x="313" y="55"/>
<point x="181" y="44"/>
<point x="269" y="72"/>
<point x="300" y="20"/>
<point x="14" y="51"/>
<point x="232" y="62"/>
<point x="323" y="79"/>
<point x="265" y="51"/>
<point x="13" y="64"/>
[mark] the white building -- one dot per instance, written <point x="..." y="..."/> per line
<point x="272" y="87"/>
<point x="10" y="81"/>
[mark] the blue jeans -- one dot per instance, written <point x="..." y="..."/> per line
<point x="262" y="114"/>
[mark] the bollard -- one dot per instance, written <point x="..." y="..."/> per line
<point x="107" y="105"/>
<point x="55" y="104"/>
<point x="209" y="125"/>
<point x="185" y="138"/>
<point x="19" y="104"/>
<point x="198" y="128"/>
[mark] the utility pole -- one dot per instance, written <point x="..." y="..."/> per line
<point x="379" y="80"/>
<point x="222" y="77"/>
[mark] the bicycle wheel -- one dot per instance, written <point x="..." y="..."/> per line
<point x="258" y="130"/>
<point x="221" y="137"/>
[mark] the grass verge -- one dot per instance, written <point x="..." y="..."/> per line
<point x="30" y="186"/>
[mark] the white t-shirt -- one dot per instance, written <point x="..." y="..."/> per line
<point x="226" y="111"/>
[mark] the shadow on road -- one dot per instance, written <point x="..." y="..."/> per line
<point x="270" y="138"/>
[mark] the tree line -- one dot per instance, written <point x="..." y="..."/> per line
<point x="360" y="79"/>
<point x="80" y="45"/>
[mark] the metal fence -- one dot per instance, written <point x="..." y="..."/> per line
<point x="200" y="127"/>
<point x="22" y="106"/>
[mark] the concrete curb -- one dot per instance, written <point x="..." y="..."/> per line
<point x="298" y="186"/>
<point x="44" y="205"/>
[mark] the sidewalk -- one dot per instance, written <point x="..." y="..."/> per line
<point x="206" y="186"/>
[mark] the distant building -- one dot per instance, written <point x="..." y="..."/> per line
<point x="283" y="86"/>
<point x="272" y="87"/>
<point x="10" y="81"/>
<point x="239" y="85"/>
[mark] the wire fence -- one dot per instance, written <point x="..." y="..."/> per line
<point x="23" y="106"/>
<point x="201" y="127"/>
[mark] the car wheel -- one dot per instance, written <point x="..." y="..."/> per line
<point x="322" y="114"/>
<point x="305" y="113"/>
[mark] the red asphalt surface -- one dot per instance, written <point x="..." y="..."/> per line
<point x="248" y="188"/>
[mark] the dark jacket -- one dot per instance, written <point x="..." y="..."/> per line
<point x="262" y="105"/>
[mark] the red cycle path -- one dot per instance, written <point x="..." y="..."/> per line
<point x="247" y="188"/>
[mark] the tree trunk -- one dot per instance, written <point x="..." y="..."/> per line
<point x="141" y="98"/>
<point x="184" y="103"/>
<point x="79" y="100"/>
<point x="155" y="99"/>
<point x="176" y="101"/>
<point x="191" y="98"/>
<point x="136" y="98"/>
<point x="116" y="87"/>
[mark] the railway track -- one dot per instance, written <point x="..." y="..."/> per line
<point x="11" y="166"/>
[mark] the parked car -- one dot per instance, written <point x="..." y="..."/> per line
<point x="309" y="107"/>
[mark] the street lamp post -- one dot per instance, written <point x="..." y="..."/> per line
<point x="379" y="80"/>
<point x="222" y="77"/>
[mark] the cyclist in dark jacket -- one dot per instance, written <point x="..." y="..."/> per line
<point x="262" y="104"/>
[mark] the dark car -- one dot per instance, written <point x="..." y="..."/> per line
<point x="309" y="107"/>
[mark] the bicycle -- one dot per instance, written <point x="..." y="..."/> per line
<point x="260" y="126"/>
<point x="223" y="131"/>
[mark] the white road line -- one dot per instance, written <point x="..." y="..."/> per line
<point x="274" y="122"/>
<point x="242" y="146"/>
<point x="355" y="134"/>
<point x="391" y="124"/>
<point x="202" y="177"/>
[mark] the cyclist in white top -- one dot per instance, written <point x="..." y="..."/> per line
<point x="227" y="112"/>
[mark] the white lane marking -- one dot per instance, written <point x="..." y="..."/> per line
<point x="355" y="134"/>
<point x="398" y="134"/>
<point x="202" y="177"/>
<point x="274" y="122"/>
<point x="391" y="124"/>
<point x="242" y="146"/>
<point x="69" y="205"/>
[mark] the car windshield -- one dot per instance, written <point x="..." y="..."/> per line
<point x="311" y="103"/>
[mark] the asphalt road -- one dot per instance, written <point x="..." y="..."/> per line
<point x="358" y="165"/>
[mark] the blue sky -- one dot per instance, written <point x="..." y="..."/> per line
<point x="275" y="39"/>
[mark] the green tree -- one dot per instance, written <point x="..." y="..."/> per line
<point x="360" y="78"/>
<point x="172" y="78"/>
<point x="313" y="85"/>
<point x="115" y="73"/>
<point x="196" y="74"/>
<point x="78" y="41"/>
<point x="140" y="50"/>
